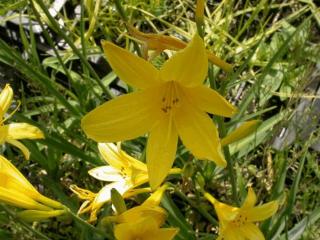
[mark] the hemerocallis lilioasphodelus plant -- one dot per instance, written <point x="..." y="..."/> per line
<point x="239" y="223"/>
<point x="170" y="102"/>
<point x="17" y="191"/>
<point x="144" y="221"/>
<point x="12" y="132"/>
<point x="123" y="172"/>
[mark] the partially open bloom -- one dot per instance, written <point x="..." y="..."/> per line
<point x="144" y="221"/>
<point x="123" y="172"/>
<point x="14" y="131"/>
<point x="239" y="223"/>
<point x="160" y="42"/>
<point x="17" y="191"/>
<point x="171" y="102"/>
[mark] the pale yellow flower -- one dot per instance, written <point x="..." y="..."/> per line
<point x="239" y="223"/>
<point x="123" y="172"/>
<point x="14" y="131"/>
<point x="172" y="102"/>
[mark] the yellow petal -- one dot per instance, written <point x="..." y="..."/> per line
<point x="225" y="212"/>
<point x="123" y="118"/>
<point x="210" y="101"/>
<point x="188" y="66"/>
<point x="6" y="96"/>
<point x="261" y="212"/>
<point x="104" y="196"/>
<point x="164" y="234"/>
<point x="199" y="134"/>
<point x="251" y="231"/>
<point x="233" y="234"/>
<point x="15" y="198"/>
<point x="219" y="62"/>
<point x="161" y="151"/>
<point x="22" y="148"/>
<point x="130" y="68"/>
<point x="250" y="200"/>
<point x="35" y="215"/>
<point x="106" y="173"/>
<point x="112" y="155"/>
<point x="241" y="132"/>
<point x="139" y="229"/>
<point x="8" y="168"/>
<point x="155" y="197"/>
<point x="154" y="212"/>
<point x="22" y="131"/>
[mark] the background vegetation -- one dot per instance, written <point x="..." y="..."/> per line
<point x="56" y="66"/>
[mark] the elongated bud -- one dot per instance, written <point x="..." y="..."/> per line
<point x="35" y="215"/>
<point x="117" y="201"/>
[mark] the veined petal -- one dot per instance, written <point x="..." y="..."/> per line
<point x="261" y="212"/>
<point x="6" y="96"/>
<point x="22" y="131"/>
<point x="233" y="234"/>
<point x="161" y="151"/>
<point x="225" y="212"/>
<point x="199" y="134"/>
<point x="155" y="197"/>
<point x="251" y="231"/>
<point x="83" y="194"/>
<point x="8" y="168"/>
<point x="250" y="200"/>
<point x="112" y="155"/>
<point x="25" y="151"/>
<point x="15" y="198"/>
<point x="154" y="212"/>
<point x="188" y="66"/>
<point x="123" y="118"/>
<point x="210" y="101"/>
<point x="106" y="173"/>
<point x="130" y="68"/>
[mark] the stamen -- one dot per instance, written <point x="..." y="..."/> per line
<point x="170" y="98"/>
<point x="10" y="115"/>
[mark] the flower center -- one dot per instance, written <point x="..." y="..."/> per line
<point x="239" y="221"/>
<point x="170" y="98"/>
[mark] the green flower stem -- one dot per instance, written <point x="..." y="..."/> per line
<point x="87" y="225"/>
<point x="223" y="132"/>
<point x="196" y="206"/>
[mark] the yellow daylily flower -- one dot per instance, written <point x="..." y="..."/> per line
<point x="171" y="102"/>
<point x="159" y="43"/>
<point x="124" y="173"/>
<point x="17" y="191"/>
<point x="144" y="221"/>
<point x="239" y="223"/>
<point x="145" y="229"/>
<point x="14" y="131"/>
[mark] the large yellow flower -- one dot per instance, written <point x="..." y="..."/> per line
<point x="123" y="172"/>
<point x="12" y="132"/>
<point x="238" y="223"/>
<point x="17" y="191"/>
<point x="171" y="102"/>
